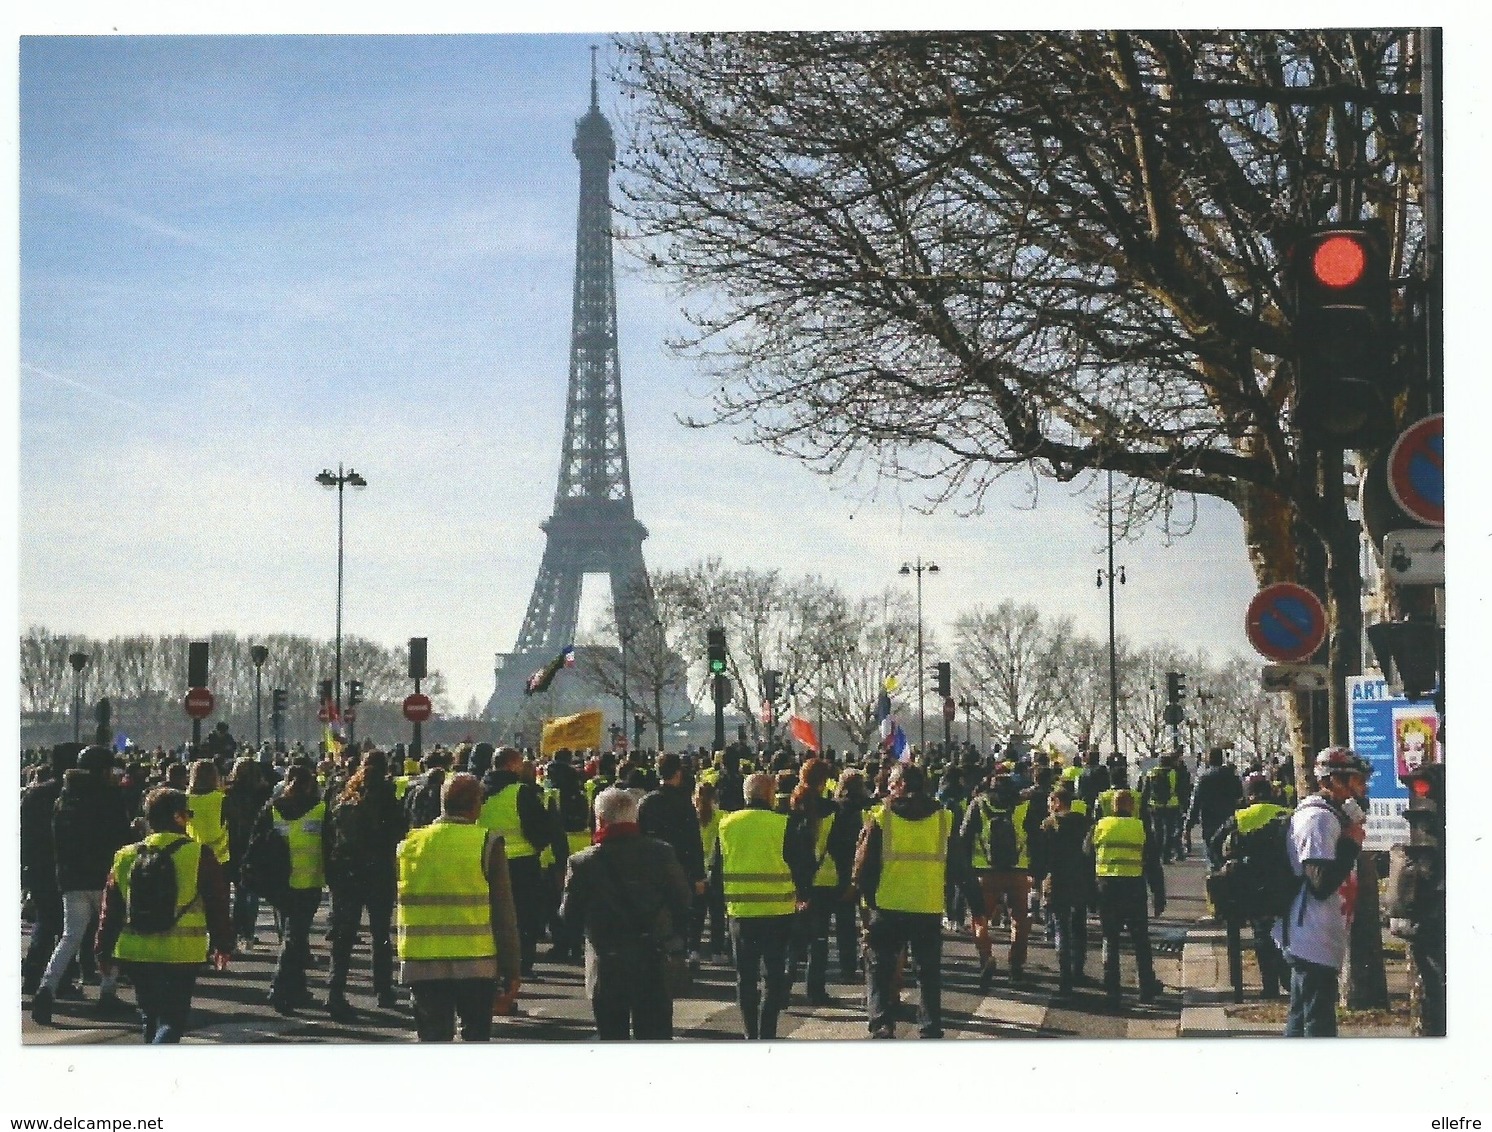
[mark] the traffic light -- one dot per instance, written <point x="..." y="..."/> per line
<point x="1340" y="284"/>
<point x="196" y="664"/>
<point x="1175" y="693"/>
<point x="715" y="642"/>
<point x="1409" y="655"/>
<point x="327" y="697"/>
<point x="771" y="685"/>
<point x="944" y="685"/>
<point x="354" y="693"/>
<point x="277" y="702"/>
<point x="418" y="647"/>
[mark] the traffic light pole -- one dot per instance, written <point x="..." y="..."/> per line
<point x="414" y="742"/>
<point x="719" y="693"/>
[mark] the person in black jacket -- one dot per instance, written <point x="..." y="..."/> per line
<point x="1093" y="781"/>
<point x="244" y="796"/>
<point x="39" y="868"/>
<point x="668" y="814"/>
<point x="367" y="824"/>
<point x="90" y="823"/>
<point x="1065" y="875"/>
<point x="1217" y="794"/>
<point x="630" y="897"/>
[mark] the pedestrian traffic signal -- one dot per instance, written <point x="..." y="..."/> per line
<point x="771" y="685"/>
<point x="715" y="641"/>
<point x="354" y="693"/>
<point x="944" y="685"/>
<point x="1342" y="330"/>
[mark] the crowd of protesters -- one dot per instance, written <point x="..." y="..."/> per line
<point x="641" y="867"/>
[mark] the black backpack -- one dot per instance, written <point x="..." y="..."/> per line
<point x="422" y="801"/>
<point x="151" y="907"/>
<point x="266" y="867"/>
<point x="1261" y="883"/>
<point x="1160" y="786"/>
<point x="351" y="840"/>
<point x="1002" y="846"/>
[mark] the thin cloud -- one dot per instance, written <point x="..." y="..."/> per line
<point x="103" y="207"/>
<point x="83" y="386"/>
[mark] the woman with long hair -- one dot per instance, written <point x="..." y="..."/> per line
<point x="244" y="797"/>
<point x="298" y="816"/>
<point x="712" y="903"/>
<point x="366" y="826"/>
<point x="206" y="826"/>
<point x="815" y="824"/>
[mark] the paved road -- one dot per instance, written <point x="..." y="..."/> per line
<point x="232" y="1007"/>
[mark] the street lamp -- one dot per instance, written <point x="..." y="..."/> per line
<point x="79" y="661"/>
<point x="919" y="569"/>
<point x="339" y="480"/>
<point x="1113" y="648"/>
<point x="258" y="654"/>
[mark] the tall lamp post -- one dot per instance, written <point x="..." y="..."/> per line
<point x="258" y="654"/>
<point x="339" y="480"/>
<point x="79" y="661"/>
<point x="1113" y="647"/>
<point x="919" y="569"/>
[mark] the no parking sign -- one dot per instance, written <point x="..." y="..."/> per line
<point x="1285" y="623"/>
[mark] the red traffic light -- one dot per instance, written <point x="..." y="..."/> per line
<point x="1420" y="786"/>
<point x="1339" y="261"/>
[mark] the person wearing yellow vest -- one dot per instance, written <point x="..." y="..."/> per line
<point x="163" y="965"/>
<point x="712" y="903"/>
<point x="1230" y="842"/>
<point x="997" y="844"/>
<point x="457" y="926"/>
<point x="515" y="809"/>
<point x="761" y="898"/>
<point x="815" y="822"/>
<point x="206" y="825"/>
<point x="297" y="816"/>
<point x="1161" y="792"/>
<point x="903" y="856"/>
<point x="1126" y="858"/>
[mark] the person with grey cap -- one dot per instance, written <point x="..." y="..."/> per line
<point x="89" y="824"/>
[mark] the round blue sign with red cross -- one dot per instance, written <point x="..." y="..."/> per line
<point x="1286" y="623"/>
<point x="1416" y="470"/>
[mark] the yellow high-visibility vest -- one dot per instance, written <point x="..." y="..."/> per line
<point x="914" y="862"/>
<point x="756" y="876"/>
<point x="303" y="835"/>
<point x="1257" y="816"/>
<point x="1119" y="846"/>
<point x="827" y="875"/>
<point x="500" y="815"/>
<point x="709" y="833"/>
<point x="205" y="826"/>
<point x="444" y="910"/>
<point x="186" y="941"/>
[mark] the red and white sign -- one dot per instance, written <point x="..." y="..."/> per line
<point x="1285" y="623"/>
<point x="198" y="703"/>
<point x="417" y="707"/>
<point x="1416" y="471"/>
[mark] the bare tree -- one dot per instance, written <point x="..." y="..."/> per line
<point x="1014" y="659"/>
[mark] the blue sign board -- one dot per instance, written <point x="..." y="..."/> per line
<point x="1390" y="732"/>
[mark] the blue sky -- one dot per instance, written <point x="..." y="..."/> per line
<point x="245" y="259"/>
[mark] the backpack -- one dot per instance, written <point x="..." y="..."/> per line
<point x="351" y="840"/>
<point x="575" y="815"/>
<point x="1002" y="846"/>
<point x="1261" y="883"/>
<point x="1160" y="786"/>
<point x="266" y="867"/>
<point x="151" y="907"/>
<point x="422" y="802"/>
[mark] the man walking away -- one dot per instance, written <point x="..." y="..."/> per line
<point x="760" y="901"/>
<point x="1245" y="846"/>
<point x="1066" y="885"/>
<point x="1214" y="798"/>
<point x="1126" y="858"/>
<point x="1326" y="836"/>
<point x="993" y="841"/>
<point x="901" y="862"/>
<point x="630" y="898"/>
<point x="458" y="930"/>
<point x="39" y="865"/>
<point x="89" y="825"/>
<point x="668" y="814"/>
<point x="165" y="913"/>
<point x="514" y="809"/>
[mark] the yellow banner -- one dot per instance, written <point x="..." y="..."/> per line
<point x="577" y="732"/>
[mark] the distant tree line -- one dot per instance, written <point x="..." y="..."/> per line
<point x="144" y="677"/>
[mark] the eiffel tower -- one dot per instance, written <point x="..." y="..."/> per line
<point x="593" y="529"/>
